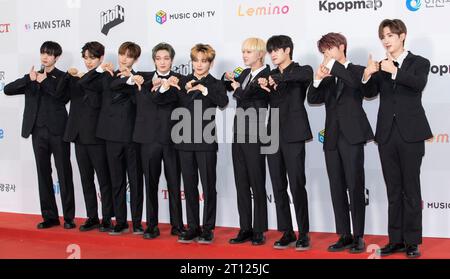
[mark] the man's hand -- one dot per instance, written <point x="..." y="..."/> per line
<point x="322" y="72"/>
<point x="80" y="74"/>
<point x="108" y="67"/>
<point x="199" y="87"/>
<point x="272" y="83"/>
<point x="229" y="76"/>
<point x="41" y="77"/>
<point x="372" y="67"/>
<point x="156" y="84"/>
<point x="235" y="85"/>
<point x="388" y="65"/>
<point x="73" y="72"/>
<point x="138" y="80"/>
<point x="33" y="74"/>
<point x="124" y="73"/>
<point x="173" y="81"/>
<point x="188" y="86"/>
<point x="263" y="83"/>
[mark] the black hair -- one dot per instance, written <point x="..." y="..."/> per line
<point x="95" y="49"/>
<point x="51" y="48"/>
<point x="280" y="41"/>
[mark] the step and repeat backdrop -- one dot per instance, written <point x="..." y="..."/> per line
<point x="25" y="24"/>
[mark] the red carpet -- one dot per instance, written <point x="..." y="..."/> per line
<point x="19" y="239"/>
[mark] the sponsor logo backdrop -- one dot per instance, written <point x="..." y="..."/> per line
<point x="224" y="24"/>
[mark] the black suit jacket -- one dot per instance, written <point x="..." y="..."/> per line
<point x="402" y="98"/>
<point x="41" y="97"/>
<point x="85" y="103"/>
<point x="253" y="96"/>
<point x="290" y="97"/>
<point x="344" y="113"/>
<point x="118" y="111"/>
<point x="217" y="97"/>
<point x="153" y="112"/>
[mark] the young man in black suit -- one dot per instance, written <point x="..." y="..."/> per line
<point x="115" y="126"/>
<point x="337" y="83"/>
<point x="45" y="118"/>
<point x="402" y="129"/>
<point x="197" y="143"/>
<point x="249" y="162"/>
<point x="287" y="85"/>
<point x="85" y="91"/>
<point x="155" y="103"/>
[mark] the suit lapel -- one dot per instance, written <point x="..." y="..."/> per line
<point x="408" y="61"/>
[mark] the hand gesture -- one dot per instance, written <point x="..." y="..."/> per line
<point x="229" y="76"/>
<point x="33" y="74"/>
<point x="173" y="81"/>
<point x="263" y="83"/>
<point x="235" y="85"/>
<point x="124" y="73"/>
<point x="388" y="64"/>
<point x="138" y="80"/>
<point x="322" y="72"/>
<point x="272" y="83"/>
<point x="73" y="72"/>
<point x="108" y="67"/>
<point x="188" y="86"/>
<point x="41" y="77"/>
<point x="199" y="87"/>
<point x="372" y="67"/>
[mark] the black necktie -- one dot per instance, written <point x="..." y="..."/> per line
<point x="247" y="81"/>
<point x="339" y="87"/>
<point x="394" y="83"/>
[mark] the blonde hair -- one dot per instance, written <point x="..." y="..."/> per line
<point x="207" y="50"/>
<point x="255" y="44"/>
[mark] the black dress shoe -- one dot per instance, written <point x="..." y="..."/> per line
<point x="69" y="224"/>
<point x="392" y="248"/>
<point x="189" y="236"/>
<point x="48" y="224"/>
<point x="151" y="233"/>
<point x="106" y="225"/>
<point x="303" y="243"/>
<point x="344" y="242"/>
<point x="206" y="237"/>
<point x="258" y="239"/>
<point x="358" y="246"/>
<point x="90" y="224"/>
<point x="177" y="231"/>
<point x="288" y="239"/>
<point x="138" y="229"/>
<point x="243" y="236"/>
<point x="412" y="251"/>
<point x="119" y="229"/>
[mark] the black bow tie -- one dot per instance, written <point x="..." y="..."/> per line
<point x="163" y="76"/>
<point x="396" y="64"/>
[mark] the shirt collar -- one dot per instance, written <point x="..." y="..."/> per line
<point x="346" y="64"/>
<point x="257" y="71"/>
<point x="401" y="58"/>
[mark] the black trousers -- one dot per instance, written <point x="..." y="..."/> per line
<point x="345" y="167"/>
<point x="290" y="160"/>
<point x="249" y="167"/>
<point x="192" y="163"/>
<point x="123" y="161"/>
<point x="91" y="159"/>
<point x="152" y="154"/>
<point x="45" y="145"/>
<point x="401" y="161"/>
